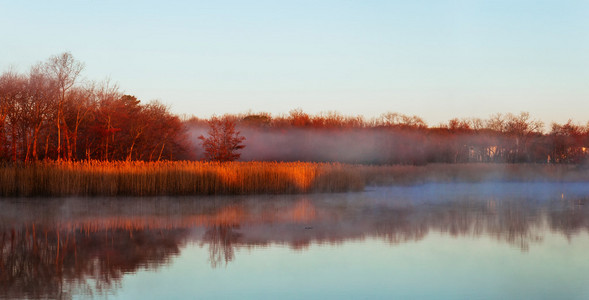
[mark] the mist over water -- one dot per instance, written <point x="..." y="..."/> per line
<point x="402" y="144"/>
<point x="323" y="145"/>
<point x="109" y="246"/>
<point x="309" y="145"/>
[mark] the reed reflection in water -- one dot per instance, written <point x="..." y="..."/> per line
<point x="60" y="248"/>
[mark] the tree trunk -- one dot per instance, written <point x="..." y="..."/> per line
<point x="161" y="151"/>
<point x="13" y="143"/>
<point x="59" y="132"/>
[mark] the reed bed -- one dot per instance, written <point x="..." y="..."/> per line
<point x="171" y="178"/>
<point x="175" y="178"/>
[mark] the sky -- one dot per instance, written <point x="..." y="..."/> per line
<point x="435" y="59"/>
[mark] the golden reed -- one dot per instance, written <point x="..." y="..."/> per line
<point x="175" y="178"/>
<point x="98" y="178"/>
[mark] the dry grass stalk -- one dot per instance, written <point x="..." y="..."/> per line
<point x="96" y="178"/>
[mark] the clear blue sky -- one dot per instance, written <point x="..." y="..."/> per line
<point x="436" y="59"/>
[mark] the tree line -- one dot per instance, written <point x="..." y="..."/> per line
<point x="394" y="138"/>
<point x="50" y="113"/>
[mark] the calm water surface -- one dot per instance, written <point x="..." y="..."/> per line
<point x="439" y="241"/>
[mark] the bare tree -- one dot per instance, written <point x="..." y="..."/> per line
<point x="65" y="70"/>
<point x="496" y="123"/>
<point x="79" y="107"/>
<point x="522" y="128"/>
<point x="42" y="90"/>
<point x="7" y="92"/>
<point x="107" y="94"/>
<point x="567" y="142"/>
<point x="13" y="90"/>
<point x="392" y="119"/>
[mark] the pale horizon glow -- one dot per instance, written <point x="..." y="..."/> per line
<point x="435" y="59"/>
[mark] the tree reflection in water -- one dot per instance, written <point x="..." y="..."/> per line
<point x="53" y="248"/>
<point x="221" y="240"/>
<point x="39" y="261"/>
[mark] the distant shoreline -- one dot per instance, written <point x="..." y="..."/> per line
<point x="186" y="178"/>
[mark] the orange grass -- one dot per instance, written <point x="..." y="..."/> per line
<point x="96" y="178"/>
<point x="170" y="178"/>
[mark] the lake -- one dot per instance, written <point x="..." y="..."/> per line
<point x="433" y="241"/>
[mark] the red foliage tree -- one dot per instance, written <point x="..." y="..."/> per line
<point x="223" y="141"/>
